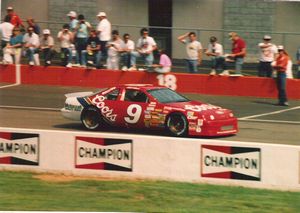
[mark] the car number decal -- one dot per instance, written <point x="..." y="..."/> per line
<point x="134" y="112"/>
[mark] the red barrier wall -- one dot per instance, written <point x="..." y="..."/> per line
<point x="7" y="74"/>
<point x="187" y="83"/>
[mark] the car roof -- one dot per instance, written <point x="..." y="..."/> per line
<point x="140" y="86"/>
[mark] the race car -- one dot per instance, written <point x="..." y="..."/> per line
<point x="141" y="106"/>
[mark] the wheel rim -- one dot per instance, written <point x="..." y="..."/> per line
<point x="177" y="124"/>
<point x="90" y="119"/>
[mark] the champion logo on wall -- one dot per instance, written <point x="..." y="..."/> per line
<point x="242" y="163"/>
<point x="19" y="148"/>
<point x="103" y="154"/>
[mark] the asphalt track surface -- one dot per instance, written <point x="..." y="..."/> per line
<point x="260" y="120"/>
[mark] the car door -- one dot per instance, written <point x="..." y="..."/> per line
<point x="131" y="108"/>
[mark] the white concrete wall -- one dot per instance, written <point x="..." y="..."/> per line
<point x="155" y="157"/>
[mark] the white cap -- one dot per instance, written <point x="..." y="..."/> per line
<point x="72" y="14"/>
<point x="101" y="14"/>
<point x="267" y="37"/>
<point x="280" y="47"/>
<point x="9" y="8"/>
<point x="46" y="31"/>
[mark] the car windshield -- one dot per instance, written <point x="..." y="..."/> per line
<point x="165" y="95"/>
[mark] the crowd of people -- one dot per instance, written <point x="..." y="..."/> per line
<point x="83" y="45"/>
<point x="80" y="44"/>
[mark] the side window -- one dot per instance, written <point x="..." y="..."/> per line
<point x="113" y="95"/>
<point x="135" y="96"/>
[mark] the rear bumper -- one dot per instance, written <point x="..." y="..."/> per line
<point x="216" y="128"/>
<point x="72" y="115"/>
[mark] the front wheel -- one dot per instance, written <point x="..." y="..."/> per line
<point x="91" y="118"/>
<point x="177" y="124"/>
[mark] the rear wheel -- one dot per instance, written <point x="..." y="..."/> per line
<point x="91" y="118"/>
<point x="177" y="124"/>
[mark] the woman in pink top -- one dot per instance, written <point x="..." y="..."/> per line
<point x="165" y="63"/>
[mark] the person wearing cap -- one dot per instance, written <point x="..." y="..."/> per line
<point x="215" y="51"/>
<point x="280" y="65"/>
<point x="32" y="23"/>
<point x="31" y="43"/>
<point x="193" y="50"/>
<point x="144" y="49"/>
<point x="104" y="32"/>
<point x="14" y="47"/>
<point x="66" y="38"/>
<point x="268" y="52"/>
<point x="73" y="20"/>
<point x="81" y="36"/>
<point x="238" y="52"/>
<point x="6" y="30"/>
<point x="14" y="18"/>
<point x="46" y="47"/>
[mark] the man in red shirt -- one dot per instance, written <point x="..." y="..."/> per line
<point x="14" y="18"/>
<point x="280" y="64"/>
<point x="238" y="53"/>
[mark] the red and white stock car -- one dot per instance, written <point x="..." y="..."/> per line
<point x="147" y="106"/>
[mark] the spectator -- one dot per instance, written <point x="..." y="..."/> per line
<point x="215" y="50"/>
<point x="6" y="30"/>
<point x="280" y="64"/>
<point x="81" y="36"/>
<point x="66" y="37"/>
<point x="14" y="18"/>
<point x="114" y="48"/>
<point x="298" y="62"/>
<point x="127" y="48"/>
<point x="193" y="50"/>
<point x="92" y="54"/>
<point x="14" y="47"/>
<point x="237" y="55"/>
<point x="46" y="47"/>
<point x="73" y="20"/>
<point x="268" y="53"/>
<point x="165" y="63"/>
<point x="104" y="32"/>
<point x="145" y="47"/>
<point x="31" y="44"/>
<point x="35" y="26"/>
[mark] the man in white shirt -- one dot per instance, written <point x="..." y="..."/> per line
<point x="114" y="48"/>
<point x="145" y="47"/>
<point x="6" y="29"/>
<point x="128" y="47"/>
<point x="193" y="50"/>
<point x="215" y="51"/>
<point x="31" y="44"/>
<point x="268" y="53"/>
<point x="104" y="32"/>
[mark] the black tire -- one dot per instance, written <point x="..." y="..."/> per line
<point x="177" y="125"/>
<point x="91" y="118"/>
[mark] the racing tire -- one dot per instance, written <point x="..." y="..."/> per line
<point x="91" y="118"/>
<point x="177" y="125"/>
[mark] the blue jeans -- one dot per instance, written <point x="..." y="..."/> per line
<point x="238" y="65"/>
<point x="148" y="58"/>
<point x="125" y="59"/>
<point x="281" y="87"/>
<point x="96" y="58"/>
<point x="66" y="56"/>
<point x="192" y="65"/>
<point x="30" y="52"/>
<point x="218" y="63"/>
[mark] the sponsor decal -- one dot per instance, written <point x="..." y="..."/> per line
<point x="199" y="108"/>
<point x="103" y="154"/>
<point x="105" y="110"/>
<point x="19" y="148"/>
<point x="242" y="163"/>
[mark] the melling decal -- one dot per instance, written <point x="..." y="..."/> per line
<point x="228" y="162"/>
<point x="103" y="154"/>
<point x="19" y="148"/>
